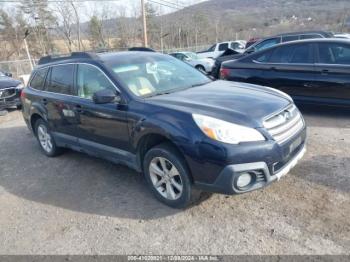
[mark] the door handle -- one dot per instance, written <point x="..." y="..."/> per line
<point x="44" y="101"/>
<point x="324" y="72"/>
<point x="308" y="85"/>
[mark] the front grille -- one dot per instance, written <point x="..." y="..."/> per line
<point x="285" y="124"/>
<point x="7" y="92"/>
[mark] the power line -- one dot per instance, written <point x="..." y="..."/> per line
<point x="152" y="1"/>
<point x="171" y="3"/>
<point x="57" y="1"/>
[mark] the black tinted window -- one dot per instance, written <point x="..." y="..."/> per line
<point x="310" y="36"/>
<point x="267" y="43"/>
<point x="290" y="38"/>
<point x="223" y="47"/>
<point x="292" y="54"/>
<point x="61" y="79"/>
<point x="38" y="80"/>
<point x="263" y="58"/>
<point x="334" y="53"/>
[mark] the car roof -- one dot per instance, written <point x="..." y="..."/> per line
<point x="77" y="57"/>
<point x="316" y="40"/>
<point x="324" y="33"/>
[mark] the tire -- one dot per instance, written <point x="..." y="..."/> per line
<point x="45" y="139"/>
<point x="201" y="69"/>
<point x="176" y="189"/>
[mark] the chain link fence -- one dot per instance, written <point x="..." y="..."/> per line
<point x="17" y="68"/>
<point x="20" y="69"/>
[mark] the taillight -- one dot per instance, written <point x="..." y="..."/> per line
<point x="22" y="95"/>
<point x="224" y="73"/>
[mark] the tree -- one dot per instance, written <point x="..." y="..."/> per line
<point x="96" y="33"/>
<point x="40" y="20"/>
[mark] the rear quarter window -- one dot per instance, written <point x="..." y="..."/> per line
<point x="38" y="80"/>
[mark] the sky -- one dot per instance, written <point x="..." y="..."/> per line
<point x="131" y="6"/>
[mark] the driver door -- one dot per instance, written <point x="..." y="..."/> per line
<point x="103" y="128"/>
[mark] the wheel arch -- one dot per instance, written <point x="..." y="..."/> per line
<point x="150" y="140"/>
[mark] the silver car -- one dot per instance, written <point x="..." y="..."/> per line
<point x="202" y="64"/>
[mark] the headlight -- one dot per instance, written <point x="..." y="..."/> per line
<point x="20" y="86"/>
<point x="225" y="131"/>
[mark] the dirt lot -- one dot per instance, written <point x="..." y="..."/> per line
<point x="75" y="204"/>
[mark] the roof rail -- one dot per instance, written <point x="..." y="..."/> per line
<point x="55" y="58"/>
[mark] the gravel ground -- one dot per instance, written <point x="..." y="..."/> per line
<point x="76" y="204"/>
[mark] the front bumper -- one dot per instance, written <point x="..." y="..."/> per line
<point x="262" y="171"/>
<point x="12" y="100"/>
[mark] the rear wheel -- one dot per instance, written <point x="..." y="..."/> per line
<point x="167" y="176"/>
<point x="45" y="139"/>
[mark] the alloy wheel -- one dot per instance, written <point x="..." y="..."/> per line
<point x="45" y="138"/>
<point x="165" y="178"/>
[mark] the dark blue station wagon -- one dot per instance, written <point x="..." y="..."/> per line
<point x="163" y="118"/>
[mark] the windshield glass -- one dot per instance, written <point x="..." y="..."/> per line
<point x="1" y="74"/>
<point x="152" y="75"/>
<point x="193" y="56"/>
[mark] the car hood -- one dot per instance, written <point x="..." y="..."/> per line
<point x="239" y="103"/>
<point x="6" y="82"/>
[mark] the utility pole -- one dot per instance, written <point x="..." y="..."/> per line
<point x="27" y="49"/>
<point x="143" y="8"/>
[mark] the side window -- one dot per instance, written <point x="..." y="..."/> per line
<point x="267" y="43"/>
<point x="61" y="79"/>
<point x="90" y="80"/>
<point x="301" y="55"/>
<point x="310" y="36"/>
<point x="292" y="54"/>
<point x="289" y="38"/>
<point x="38" y="80"/>
<point x="223" y="47"/>
<point x="212" y="48"/>
<point x="235" y="45"/>
<point x="181" y="57"/>
<point x="263" y="58"/>
<point x="334" y="53"/>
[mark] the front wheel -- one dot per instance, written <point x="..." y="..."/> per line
<point x="201" y="69"/>
<point x="168" y="177"/>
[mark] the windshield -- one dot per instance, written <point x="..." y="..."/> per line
<point x="193" y="56"/>
<point x="1" y="74"/>
<point x="152" y="75"/>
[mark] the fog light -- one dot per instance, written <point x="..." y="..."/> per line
<point x="244" y="180"/>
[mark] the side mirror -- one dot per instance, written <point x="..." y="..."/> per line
<point x="187" y="59"/>
<point x="250" y="50"/>
<point x="106" y="96"/>
<point x="8" y="74"/>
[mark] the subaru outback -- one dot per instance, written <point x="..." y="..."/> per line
<point x="186" y="133"/>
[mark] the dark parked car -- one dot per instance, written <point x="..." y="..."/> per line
<point x="164" y="118"/>
<point x="311" y="71"/>
<point x="10" y="90"/>
<point x="269" y="42"/>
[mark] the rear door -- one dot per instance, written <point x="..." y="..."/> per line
<point x="289" y="68"/>
<point x="59" y="103"/>
<point x="333" y="70"/>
